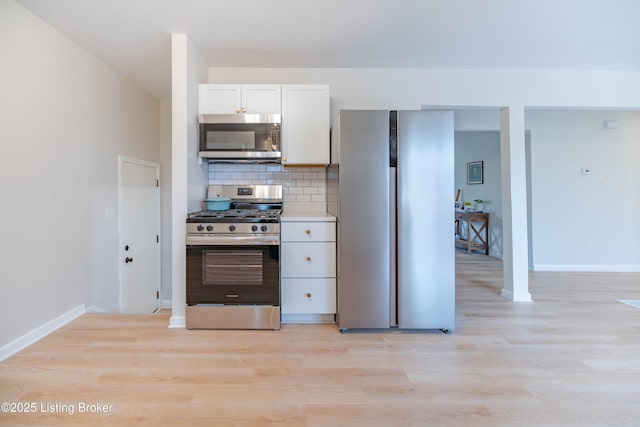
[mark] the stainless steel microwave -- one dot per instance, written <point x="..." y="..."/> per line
<point x="239" y="136"/>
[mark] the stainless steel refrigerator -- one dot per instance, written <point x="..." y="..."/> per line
<point x="391" y="186"/>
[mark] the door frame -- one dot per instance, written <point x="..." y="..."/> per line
<point x="121" y="271"/>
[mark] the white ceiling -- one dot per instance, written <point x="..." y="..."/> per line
<point x="134" y="35"/>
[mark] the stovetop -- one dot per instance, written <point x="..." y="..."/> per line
<point x="249" y="204"/>
<point x="235" y="215"/>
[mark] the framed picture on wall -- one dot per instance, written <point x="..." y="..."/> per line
<point x="475" y="172"/>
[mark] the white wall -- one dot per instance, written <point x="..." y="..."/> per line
<point x="65" y="116"/>
<point x="413" y="88"/>
<point x="585" y="222"/>
<point x="165" y="200"/>
<point x="472" y="146"/>
<point x="198" y="170"/>
<point x="189" y="178"/>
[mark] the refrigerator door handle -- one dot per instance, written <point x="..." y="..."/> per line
<point x="393" y="139"/>
<point x="393" y="278"/>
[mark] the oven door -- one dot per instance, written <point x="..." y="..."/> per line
<point x="233" y="271"/>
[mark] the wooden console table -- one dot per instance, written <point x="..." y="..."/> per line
<point x="476" y="238"/>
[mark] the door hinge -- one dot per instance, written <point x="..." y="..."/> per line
<point x="157" y="294"/>
<point x="157" y="238"/>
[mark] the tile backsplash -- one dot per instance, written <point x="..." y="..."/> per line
<point x="303" y="189"/>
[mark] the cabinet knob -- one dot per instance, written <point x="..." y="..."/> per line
<point x="308" y="258"/>
<point x="237" y="110"/>
<point x="308" y="231"/>
<point x="284" y="159"/>
<point x="244" y="110"/>
<point x="308" y="294"/>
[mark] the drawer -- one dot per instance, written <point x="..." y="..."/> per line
<point x="308" y="296"/>
<point x="308" y="231"/>
<point x="308" y="259"/>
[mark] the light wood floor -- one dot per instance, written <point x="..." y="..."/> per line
<point x="571" y="358"/>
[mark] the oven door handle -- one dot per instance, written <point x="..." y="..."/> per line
<point x="210" y="240"/>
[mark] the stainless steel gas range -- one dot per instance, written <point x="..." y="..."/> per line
<point x="233" y="260"/>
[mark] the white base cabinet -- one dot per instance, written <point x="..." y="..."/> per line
<point x="309" y="296"/>
<point x="308" y="270"/>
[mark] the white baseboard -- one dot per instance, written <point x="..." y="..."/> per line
<point x="40" y="332"/>
<point x="166" y="303"/>
<point x="588" y="268"/>
<point x="97" y="309"/>
<point x="507" y="294"/>
<point x="176" y="322"/>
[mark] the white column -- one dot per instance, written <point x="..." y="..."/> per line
<point x="179" y="140"/>
<point x="514" y="204"/>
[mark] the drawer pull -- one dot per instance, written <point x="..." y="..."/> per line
<point x="308" y="294"/>
<point x="308" y="258"/>
<point x="308" y="231"/>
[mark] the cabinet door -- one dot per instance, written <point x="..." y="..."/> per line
<point x="305" y="124"/>
<point x="261" y="99"/>
<point x="308" y="259"/>
<point x="219" y="99"/>
<point x="309" y="296"/>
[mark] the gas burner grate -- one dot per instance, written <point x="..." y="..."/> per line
<point x="237" y="214"/>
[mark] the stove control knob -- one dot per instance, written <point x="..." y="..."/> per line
<point x="200" y="227"/>
<point x="254" y="228"/>
<point x="232" y="228"/>
<point x="263" y="228"/>
<point x="209" y="227"/>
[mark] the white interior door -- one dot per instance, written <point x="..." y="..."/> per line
<point x="139" y="236"/>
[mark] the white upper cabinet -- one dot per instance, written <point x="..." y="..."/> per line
<point x="219" y="99"/>
<point x="262" y="99"/>
<point x="305" y="124"/>
<point x="238" y="99"/>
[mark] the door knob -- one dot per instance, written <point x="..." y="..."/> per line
<point x="127" y="260"/>
<point x="308" y="295"/>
